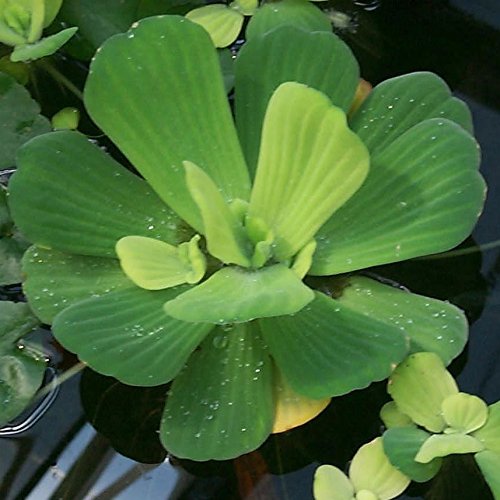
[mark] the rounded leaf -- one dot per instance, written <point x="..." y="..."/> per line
<point x="464" y="413"/>
<point x="330" y="483"/>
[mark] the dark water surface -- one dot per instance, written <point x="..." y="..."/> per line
<point x="63" y="457"/>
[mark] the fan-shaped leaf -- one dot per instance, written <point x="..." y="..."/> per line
<point x="423" y="195"/>
<point x="310" y="163"/>
<point x="337" y="348"/>
<point x="330" y="483"/>
<point x="83" y="207"/>
<point x="464" y="413"/>
<point x="320" y="60"/>
<point x="127" y="335"/>
<point x="157" y="135"/>
<point x="235" y="295"/>
<point x="221" y="405"/>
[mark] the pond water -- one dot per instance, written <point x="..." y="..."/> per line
<point x="63" y="456"/>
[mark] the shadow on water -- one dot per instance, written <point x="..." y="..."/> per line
<point x="63" y="457"/>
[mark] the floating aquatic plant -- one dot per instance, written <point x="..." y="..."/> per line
<point x="199" y="271"/>
<point x="21" y="26"/>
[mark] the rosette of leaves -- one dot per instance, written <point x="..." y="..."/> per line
<point x="430" y="419"/>
<point x="223" y="21"/>
<point x="371" y="477"/>
<point x="22" y="23"/>
<point x="197" y="272"/>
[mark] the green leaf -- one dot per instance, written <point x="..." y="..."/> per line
<point x="310" y="164"/>
<point x="401" y="446"/>
<point x="66" y="119"/>
<point x="393" y="417"/>
<point x="489" y="463"/>
<point x="224" y="233"/>
<point x="42" y="48"/>
<point x="432" y="325"/>
<point x="21" y="371"/>
<point x="155" y="265"/>
<point x="20" y="377"/>
<point x="371" y="470"/>
<point x="83" y="207"/>
<point x="222" y="23"/>
<point x="11" y="253"/>
<point x="174" y="50"/>
<point x="396" y="105"/>
<point x="227" y="67"/>
<point x="246" y="7"/>
<point x="19" y="118"/>
<point x="16" y="320"/>
<point x="330" y="483"/>
<point x="489" y="434"/>
<point x="319" y="60"/>
<point x="337" y="348"/>
<point x="419" y="385"/>
<point x="464" y="413"/>
<point x="233" y="295"/>
<point x="126" y="334"/>
<point x="442" y="445"/>
<point x="221" y="405"/>
<point x="423" y="195"/>
<point x="55" y="280"/>
<point x="287" y="13"/>
<point x="51" y="9"/>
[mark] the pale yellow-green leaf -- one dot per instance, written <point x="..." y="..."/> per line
<point x="464" y="413"/>
<point x="330" y="483"/>
<point x="442" y="445"/>
<point x="371" y="470"/>
<point x="221" y="22"/>
<point x="246" y="7"/>
<point x="154" y="265"/>
<point x="393" y="417"/>
<point x="310" y="164"/>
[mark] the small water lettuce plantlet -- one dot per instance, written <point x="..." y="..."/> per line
<point x="22" y="23"/>
<point x="201" y="270"/>
<point x="429" y="419"/>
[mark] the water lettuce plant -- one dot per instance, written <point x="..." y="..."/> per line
<point x="21" y="26"/>
<point x="200" y="270"/>
<point x="429" y="419"/>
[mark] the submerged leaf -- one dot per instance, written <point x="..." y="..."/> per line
<point x="234" y="295"/>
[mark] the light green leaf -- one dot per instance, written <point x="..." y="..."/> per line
<point x="401" y="445"/>
<point x="423" y="195"/>
<point x="393" y="417"/>
<point x="16" y="320"/>
<point x="371" y="470"/>
<point x="337" y="348"/>
<point x="83" y="207"/>
<point x="489" y="434"/>
<point x="223" y="231"/>
<point x="464" y="413"/>
<point x="126" y="334"/>
<point x="310" y="164"/>
<point x="432" y="325"/>
<point x="222" y="23"/>
<point x="42" y="48"/>
<point x="55" y="280"/>
<point x="489" y="463"/>
<point x="155" y="265"/>
<point x="396" y="105"/>
<point x="319" y="60"/>
<point x="287" y="13"/>
<point x="174" y="50"/>
<point x="442" y="445"/>
<point x="19" y="119"/>
<point x="66" y="119"/>
<point x="330" y="483"/>
<point x="233" y="295"/>
<point x="246" y="7"/>
<point x="37" y="16"/>
<point x="221" y="405"/>
<point x="20" y="377"/>
<point x="419" y="385"/>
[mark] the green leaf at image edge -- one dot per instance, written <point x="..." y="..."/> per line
<point x="401" y="444"/>
<point x="221" y="405"/>
<point x="489" y="463"/>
